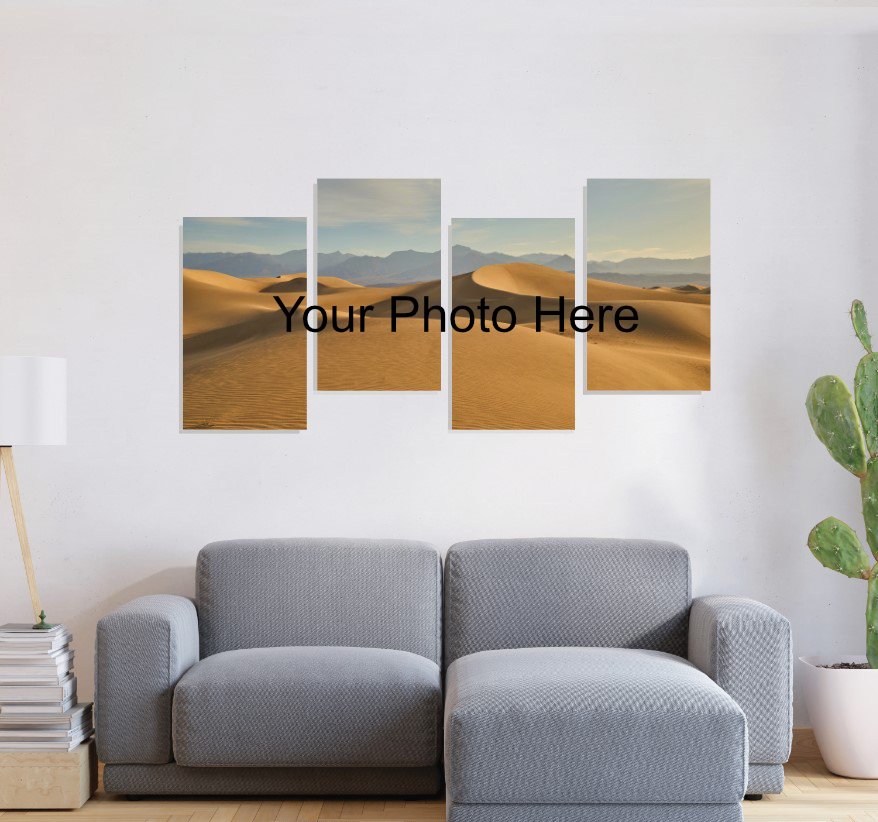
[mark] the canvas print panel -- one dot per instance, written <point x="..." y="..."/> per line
<point x="241" y="369"/>
<point x="648" y="246"/>
<point x="377" y="239"/>
<point x="523" y="378"/>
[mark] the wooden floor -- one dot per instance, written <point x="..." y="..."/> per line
<point x="812" y="794"/>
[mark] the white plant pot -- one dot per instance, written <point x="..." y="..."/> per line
<point x="841" y="705"/>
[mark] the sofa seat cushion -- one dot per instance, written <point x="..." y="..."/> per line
<point x="590" y="725"/>
<point x="308" y="706"/>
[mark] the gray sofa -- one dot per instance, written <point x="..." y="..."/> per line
<point x="308" y="666"/>
<point x="584" y="684"/>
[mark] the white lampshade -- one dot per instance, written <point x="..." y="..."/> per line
<point x="33" y="401"/>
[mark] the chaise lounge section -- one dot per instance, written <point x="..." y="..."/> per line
<point x="569" y="695"/>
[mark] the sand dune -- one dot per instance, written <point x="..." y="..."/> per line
<point x="258" y="385"/>
<point x="526" y="278"/>
<point x="468" y="289"/>
<point x="294" y="283"/>
<point x="214" y="301"/>
<point x="410" y="359"/>
<point x="379" y="297"/>
<point x="671" y="325"/>
<point x="330" y="284"/>
<point x="377" y="359"/>
<point x="242" y="370"/>
<point x="624" y="369"/>
<point x="601" y="291"/>
<point x="517" y="380"/>
<point x="670" y="350"/>
<point x="240" y="367"/>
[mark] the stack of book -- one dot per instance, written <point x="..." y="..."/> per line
<point x="38" y="707"/>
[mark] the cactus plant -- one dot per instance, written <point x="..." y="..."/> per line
<point x="848" y="427"/>
<point x="866" y="396"/>
<point x="861" y="327"/>
<point x="836" y="422"/>
<point x="838" y="548"/>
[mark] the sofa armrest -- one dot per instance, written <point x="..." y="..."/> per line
<point x="746" y="648"/>
<point x="142" y="650"/>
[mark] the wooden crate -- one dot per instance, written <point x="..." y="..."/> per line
<point x="36" y="780"/>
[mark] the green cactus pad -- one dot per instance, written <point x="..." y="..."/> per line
<point x="836" y="546"/>
<point x="872" y="623"/>
<point x="861" y="327"/>
<point x="869" y="489"/>
<point x="835" y="420"/>
<point x="866" y="397"/>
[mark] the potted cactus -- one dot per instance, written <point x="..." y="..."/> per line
<point x="839" y="693"/>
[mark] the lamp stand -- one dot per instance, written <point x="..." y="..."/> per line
<point x="7" y="464"/>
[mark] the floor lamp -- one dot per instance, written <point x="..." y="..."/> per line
<point x="33" y="411"/>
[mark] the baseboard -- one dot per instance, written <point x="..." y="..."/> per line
<point x="804" y="744"/>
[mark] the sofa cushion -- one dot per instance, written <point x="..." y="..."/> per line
<point x="553" y="592"/>
<point x="590" y="725"/>
<point x="365" y="593"/>
<point x="306" y="706"/>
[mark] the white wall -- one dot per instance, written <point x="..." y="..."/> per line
<point x="119" y="119"/>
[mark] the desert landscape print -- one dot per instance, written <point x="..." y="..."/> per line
<point x="241" y="369"/>
<point x="648" y="246"/>
<point x="377" y="239"/>
<point x="520" y="379"/>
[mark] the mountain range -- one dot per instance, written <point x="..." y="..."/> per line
<point x="464" y="260"/>
<point x="647" y="272"/>
<point x="248" y="263"/>
<point x="397" y="268"/>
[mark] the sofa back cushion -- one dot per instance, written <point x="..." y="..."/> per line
<point x="532" y="593"/>
<point x="314" y="592"/>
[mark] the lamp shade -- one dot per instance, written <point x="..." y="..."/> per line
<point x="33" y="401"/>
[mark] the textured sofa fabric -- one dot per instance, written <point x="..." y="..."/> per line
<point x="309" y="707"/>
<point x="347" y="592"/>
<point x="312" y="666"/>
<point x="339" y="642"/>
<point x="746" y="647"/>
<point x="173" y="779"/>
<point x="532" y="593"/>
<point x="569" y="698"/>
<point x="765" y="778"/>
<point x="590" y="725"/>
<point x="141" y="651"/>
<point x="594" y="813"/>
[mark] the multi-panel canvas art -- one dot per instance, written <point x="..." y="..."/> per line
<point x="521" y="378"/>
<point x="376" y="240"/>
<point x="648" y="246"/>
<point x="241" y="369"/>
<point x="378" y="318"/>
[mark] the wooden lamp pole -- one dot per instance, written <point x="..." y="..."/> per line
<point x="8" y="465"/>
<point x="33" y="411"/>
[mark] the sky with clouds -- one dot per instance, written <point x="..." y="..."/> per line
<point x="668" y="219"/>
<point x="262" y="235"/>
<point x="516" y="236"/>
<point x="378" y="217"/>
